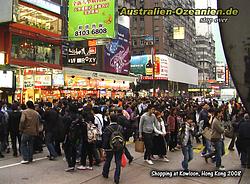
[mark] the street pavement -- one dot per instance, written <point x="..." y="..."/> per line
<point x="43" y="171"/>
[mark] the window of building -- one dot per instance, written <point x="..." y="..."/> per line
<point x="34" y="50"/>
<point x="141" y="42"/>
<point x="156" y="28"/>
<point x="156" y="17"/>
<point x="134" y="43"/>
<point x="142" y="18"/>
<point x="157" y="40"/>
<point x="38" y="19"/>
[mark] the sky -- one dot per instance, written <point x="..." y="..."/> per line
<point x="202" y="28"/>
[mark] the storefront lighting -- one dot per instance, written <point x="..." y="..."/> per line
<point x="2" y="58"/>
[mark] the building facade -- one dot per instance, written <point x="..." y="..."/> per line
<point x="162" y="27"/>
<point x="205" y="58"/>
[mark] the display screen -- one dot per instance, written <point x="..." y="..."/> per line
<point x="6" y="79"/>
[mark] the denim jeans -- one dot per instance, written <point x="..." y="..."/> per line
<point x="219" y="147"/>
<point x="49" y="140"/>
<point x="187" y="152"/>
<point x="109" y="157"/>
<point x="27" y="147"/>
<point x="207" y="144"/>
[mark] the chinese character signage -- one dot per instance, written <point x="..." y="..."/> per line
<point x="91" y="19"/>
<point x="82" y="56"/>
<point x="117" y="53"/>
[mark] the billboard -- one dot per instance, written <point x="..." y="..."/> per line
<point x="82" y="56"/>
<point x="143" y="65"/>
<point x="6" y="11"/>
<point x="91" y="19"/>
<point x="220" y="73"/>
<point x="117" y="53"/>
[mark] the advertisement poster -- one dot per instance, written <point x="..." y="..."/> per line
<point x="82" y="56"/>
<point x="42" y="80"/>
<point x="117" y="53"/>
<point x="143" y="65"/>
<point x="91" y="19"/>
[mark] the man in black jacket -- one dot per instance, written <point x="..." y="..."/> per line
<point x="244" y="141"/>
<point x="127" y="129"/>
<point x="109" y="152"/>
<point x="14" y="121"/>
<point x="50" y="117"/>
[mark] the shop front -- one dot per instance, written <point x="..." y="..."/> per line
<point x="31" y="39"/>
<point x="84" y="83"/>
<point x="38" y="84"/>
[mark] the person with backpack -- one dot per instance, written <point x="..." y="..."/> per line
<point x="74" y="127"/>
<point x="185" y="139"/>
<point x="113" y="144"/>
<point x="89" y="138"/>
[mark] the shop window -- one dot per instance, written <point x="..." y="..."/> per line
<point x="34" y="50"/>
<point x="38" y="19"/>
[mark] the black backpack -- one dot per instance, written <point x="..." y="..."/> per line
<point x="75" y="131"/>
<point x="117" y="141"/>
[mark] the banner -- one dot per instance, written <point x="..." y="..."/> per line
<point x="91" y="19"/>
<point x="82" y="56"/>
<point x="117" y="53"/>
<point x="143" y="65"/>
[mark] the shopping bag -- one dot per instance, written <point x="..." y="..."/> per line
<point x="207" y="133"/>
<point x="229" y="132"/>
<point x="139" y="146"/>
<point x="124" y="160"/>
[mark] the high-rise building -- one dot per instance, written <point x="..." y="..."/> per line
<point x="162" y="27"/>
<point x="205" y="58"/>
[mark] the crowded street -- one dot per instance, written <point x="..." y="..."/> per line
<point x="43" y="171"/>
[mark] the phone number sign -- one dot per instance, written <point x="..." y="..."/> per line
<point x="92" y="19"/>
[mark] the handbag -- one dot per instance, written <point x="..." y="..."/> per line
<point x="207" y="133"/>
<point x="229" y="132"/>
<point x="124" y="160"/>
<point x="139" y="146"/>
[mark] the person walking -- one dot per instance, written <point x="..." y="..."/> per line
<point x="186" y="140"/>
<point x="243" y="142"/>
<point x="29" y="127"/>
<point x="217" y="137"/>
<point x="14" y="121"/>
<point x="146" y="130"/>
<point x="111" y="150"/>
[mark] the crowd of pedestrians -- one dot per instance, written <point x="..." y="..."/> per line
<point x="90" y="131"/>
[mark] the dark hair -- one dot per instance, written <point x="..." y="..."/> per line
<point x="14" y="106"/>
<point x="30" y="105"/>
<point x="150" y="106"/>
<point x="113" y="118"/>
<point x="217" y="111"/>
<point x="49" y="104"/>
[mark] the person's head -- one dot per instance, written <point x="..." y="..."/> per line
<point x="206" y="107"/>
<point x="158" y="115"/>
<point x="113" y="118"/>
<point x="14" y="106"/>
<point x="30" y="105"/>
<point x="189" y="118"/>
<point x="218" y="112"/>
<point x="173" y="111"/>
<point x="49" y="104"/>
<point x="150" y="109"/>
